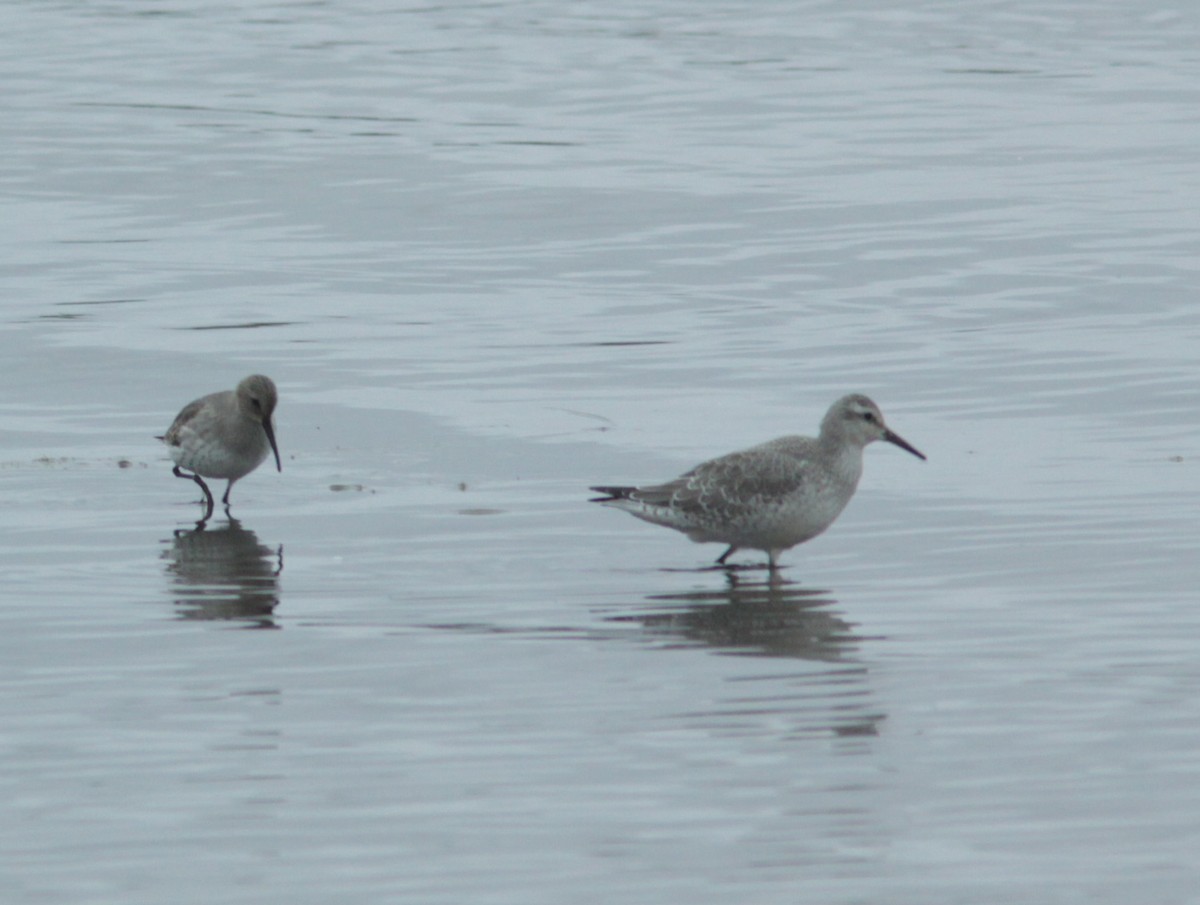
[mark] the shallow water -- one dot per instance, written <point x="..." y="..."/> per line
<point x="494" y="253"/>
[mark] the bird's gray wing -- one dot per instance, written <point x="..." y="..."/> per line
<point x="731" y="483"/>
<point x="189" y="411"/>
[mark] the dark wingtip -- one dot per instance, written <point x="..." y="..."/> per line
<point x="610" y="494"/>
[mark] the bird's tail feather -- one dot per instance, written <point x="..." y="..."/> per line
<point x="611" y="493"/>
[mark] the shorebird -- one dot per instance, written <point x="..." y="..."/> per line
<point x="224" y="435"/>
<point x="769" y="497"/>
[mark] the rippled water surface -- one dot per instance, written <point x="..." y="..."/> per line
<point x="494" y="253"/>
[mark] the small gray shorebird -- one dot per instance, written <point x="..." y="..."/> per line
<point x="225" y="435"/>
<point x="769" y="497"/>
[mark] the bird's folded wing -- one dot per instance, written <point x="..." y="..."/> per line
<point x="732" y="482"/>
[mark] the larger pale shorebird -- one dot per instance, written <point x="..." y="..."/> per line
<point x="225" y="435"/>
<point x="769" y="497"/>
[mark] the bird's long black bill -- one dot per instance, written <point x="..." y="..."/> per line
<point x="903" y="444"/>
<point x="275" y="449"/>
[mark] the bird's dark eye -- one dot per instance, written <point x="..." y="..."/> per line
<point x="869" y="416"/>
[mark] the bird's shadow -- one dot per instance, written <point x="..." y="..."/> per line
<point x="772" y="617"/>
<point x="729" y="568"/>
<point x="224" y="573"/>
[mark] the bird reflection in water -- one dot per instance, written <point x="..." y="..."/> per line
<point x="773" y="618"/>
<point x="225" y="573"/>
<point x="779" y="619"/>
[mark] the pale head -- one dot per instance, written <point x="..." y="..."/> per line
<point x="256" y="398"/>
<point x="856" y="419"/>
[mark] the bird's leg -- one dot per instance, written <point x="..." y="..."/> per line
<point x="724" y="556"/>
<point x="208" y="497"/>
<point x="225" y="499"/>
